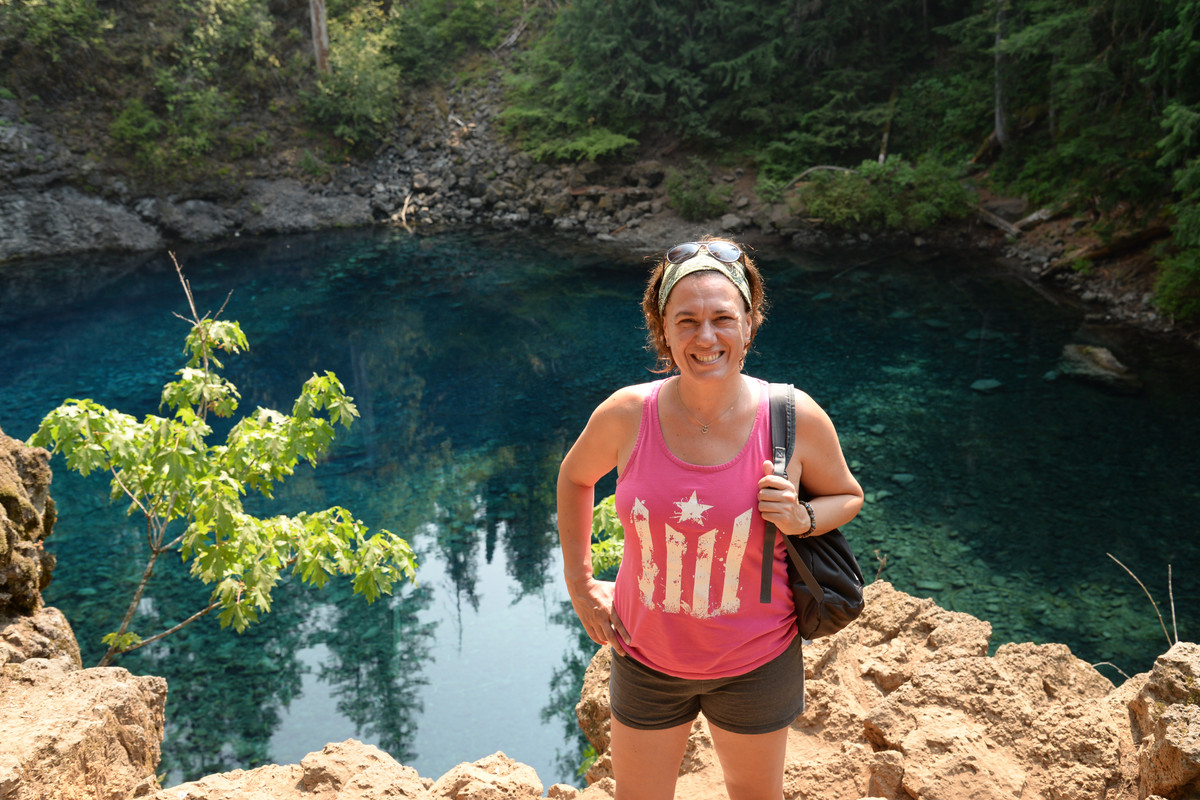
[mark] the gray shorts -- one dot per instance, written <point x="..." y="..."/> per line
<point x="763" y="700"/>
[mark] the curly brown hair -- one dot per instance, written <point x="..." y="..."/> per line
<point x="656" y="340"/>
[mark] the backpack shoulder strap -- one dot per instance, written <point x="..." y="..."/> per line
<point x="783" y="425"/>
<point x="783" y="442"/>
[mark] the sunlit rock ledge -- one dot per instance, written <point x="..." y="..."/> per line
<point x="905" y="703"/>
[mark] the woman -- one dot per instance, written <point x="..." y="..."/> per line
<point x="694" y="487"/>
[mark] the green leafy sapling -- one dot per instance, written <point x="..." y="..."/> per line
<point x="190" y="492"/>
<point x="608" y="537"/>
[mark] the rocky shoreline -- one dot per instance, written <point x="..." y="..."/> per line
<point x="449" y="167"/>
<point x="904" y="703"/>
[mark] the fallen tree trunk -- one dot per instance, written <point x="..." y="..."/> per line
<point x="1119" y="246"/>
<point x="997" y="221"/>
<point x="822" y="167"/>
<point x="986" y="151"/>
<point x="1043" y="215"/>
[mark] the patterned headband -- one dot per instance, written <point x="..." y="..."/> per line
<point x="699" y="263"/>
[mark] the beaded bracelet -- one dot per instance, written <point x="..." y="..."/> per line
<point x="812" y="518"/>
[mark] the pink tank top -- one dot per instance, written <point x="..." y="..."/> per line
<point x="688" y="586"/>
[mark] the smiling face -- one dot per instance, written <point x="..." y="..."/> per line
<point x="706" y="326"/>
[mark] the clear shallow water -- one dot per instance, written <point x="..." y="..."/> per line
<point x="475" y="360"/>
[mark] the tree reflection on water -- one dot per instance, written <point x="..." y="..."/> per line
<point x="475" y="361"/>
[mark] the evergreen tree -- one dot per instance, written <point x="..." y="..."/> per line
<point x="1173" y="67"/>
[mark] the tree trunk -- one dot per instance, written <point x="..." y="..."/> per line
<point x="820" y="168"/>
<point x="112" y="651"/>
<point x="887" y="127"/>
<point x="998" y="222"/>
<point x="320" y="35"/>
<point x="1134" y="241"/>
<point x="1052" y="113"/>
<point x="1001" y="117"/>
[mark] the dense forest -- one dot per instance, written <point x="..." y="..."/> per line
<point x="1092" y="106"/>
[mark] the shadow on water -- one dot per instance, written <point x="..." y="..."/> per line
<point x="475" y="360"/>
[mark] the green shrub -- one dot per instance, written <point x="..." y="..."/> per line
<point x="608" y="538"/>
<point x="226" y="39"/>
<point x="190" y="491"/>
<point x="201" y="114"/>
<point x="51" y="26"/>
<point x="136" y="126"/>
<point x="313" y="166"/>
<point x="594" y="144"/>
<point x="551" y="115"/>
<point x="768" y="189"/>
<point x="1177" y="286"/>
<point x="692" y="193"/>
<point x="426" y="36"/>
<point x="894" y="195"/>
<point x="226" y="44"/>
<point x="474" y="23"/>
<point x="357" y="100"/>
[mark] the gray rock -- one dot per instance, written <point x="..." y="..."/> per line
<point x="64" y="220"/>
<point x="1099" y="367"/>
<point x="286" y="206"/>
<point x="732" y="223"/>
<point x="191" y="220"/>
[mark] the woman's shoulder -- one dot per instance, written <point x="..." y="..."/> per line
<point x="618" y="418"/>
<point x="809" y="412"/>
<point x="628" y="399"/>
<point x="805" y="405"/>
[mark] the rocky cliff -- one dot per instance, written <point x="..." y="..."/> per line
<point x="448" y="166"/>
<point x="906" y="703"/>
<point x="65" y="732"/>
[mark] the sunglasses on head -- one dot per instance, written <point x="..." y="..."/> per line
<point x="721" y="251"/>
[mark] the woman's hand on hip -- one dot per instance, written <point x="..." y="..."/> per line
<point x="593" y="603"/>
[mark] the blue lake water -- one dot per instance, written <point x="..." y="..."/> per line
<point x="476" y="359"/>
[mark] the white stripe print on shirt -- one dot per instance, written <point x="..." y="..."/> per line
<point x="700" y="562"/>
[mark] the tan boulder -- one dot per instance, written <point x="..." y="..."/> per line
<point x="1165" y="714"/>
<point x="1031" y="721"/>
<point x="27" y="628"/>
<point x="65" y="732"/>
<point x="592" y="713"/>
<point x="43" y="634"/>
<point x="907" y="703"/>
<point x="348" y="770"/>
<point x="71" y="733"/>
<point x="27" y="517"/>
<point x="496" y="777"/>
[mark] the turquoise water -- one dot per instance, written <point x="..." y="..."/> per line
<point x="475" y="360"/>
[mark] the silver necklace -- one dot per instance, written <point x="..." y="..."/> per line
<point x="705" y="426"/>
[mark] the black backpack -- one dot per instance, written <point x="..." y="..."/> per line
<point x="826" y="581"/>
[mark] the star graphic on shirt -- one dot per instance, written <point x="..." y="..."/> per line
<point x="691" y="510"/>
